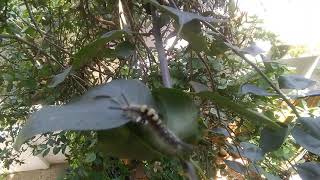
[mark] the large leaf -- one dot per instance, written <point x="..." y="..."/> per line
<point x="250" y="88"/>
<point x="240" y="109"/>
<point x="295" y="82"/>
<point x="308" y="135"/>
<point x="309" y="170"/>
<point x="96" y="48"/>
<point x="88" y="112"/>
<point x="130" y="142"/>
<point x="272" y="139"/>
<point x="179" y="112"/>
<point x="59" y="78"/>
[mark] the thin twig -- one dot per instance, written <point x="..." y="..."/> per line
<point x="161" y="52"/>
<point x="264" y="76"/>
<point x="35" y="47"/>
<point x="31" y="17"/>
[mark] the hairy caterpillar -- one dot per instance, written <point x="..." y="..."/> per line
<point x="144" y="115"/>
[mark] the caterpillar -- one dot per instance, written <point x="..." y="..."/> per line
<point x="144" y="115"/>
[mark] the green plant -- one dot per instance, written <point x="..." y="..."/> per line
<point x="78" y="59"/>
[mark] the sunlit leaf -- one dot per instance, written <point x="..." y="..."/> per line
<point x="59" y="78"/>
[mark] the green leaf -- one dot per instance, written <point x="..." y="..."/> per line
<point x="295" y="82"/>
<point x="238" y="108"/>
<point x="95" y="49"/>
<point x="90" y="157"/>
<point x="272" y="139"/>
<point x="89" y="112"/>
<point x="178" y="114"/>
<point x="46" y="152"/>
<point x="59" y="78"/>
<point x="56" y="150"/>
<point x="178" y="111"/>
<point x="309" y="170"/>
<point x="125" y="49"/>
<point x="128" y="142"/>
<point x="308" y="135"/>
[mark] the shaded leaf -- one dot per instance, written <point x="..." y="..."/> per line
<point x="251" y="151"/>
<point x="250" y="88"/>
<point x="308" y="135"/>
<point x="179" y="112"/>
<point x="129" y="142"/>
<point x="309" y="170"/>
<point x="258" y="170"/>
<point x="95" y="49"/>
<point x="236" y="166"/>
<point x="272" y="139"/>
<point x="59" y="78"/>
<point x="125" y="49"/>
<point x="295" y="82"/>
<point x="88" y="112"/>
<point x="238" y="108"/>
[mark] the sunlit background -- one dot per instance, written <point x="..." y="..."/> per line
<point x="295" y="21"/>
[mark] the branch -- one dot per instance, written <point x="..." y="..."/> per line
<point x="161" y="52"/>
<point x="31" y="17"/>
<point x="19" y="39"/>
<point x="264" y="76"/>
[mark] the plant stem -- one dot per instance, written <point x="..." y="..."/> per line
<point x="164" y="68"/>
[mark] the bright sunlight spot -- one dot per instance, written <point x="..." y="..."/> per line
<point x="295" y="21"/>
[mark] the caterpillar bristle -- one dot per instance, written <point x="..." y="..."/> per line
<point x="145" y="115"/>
